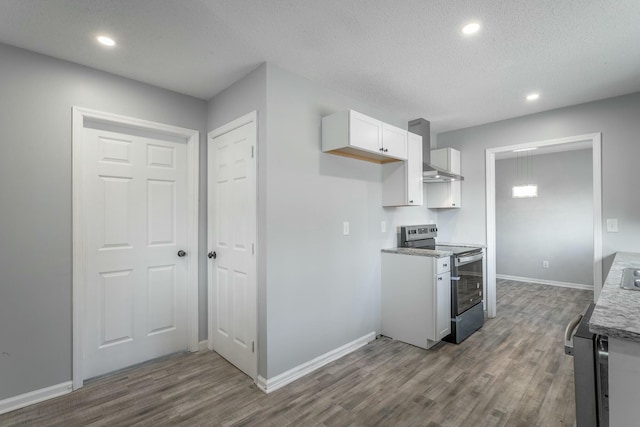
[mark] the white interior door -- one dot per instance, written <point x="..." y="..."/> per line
<point x="232" y="231"/>
<point x="135" y="199"/>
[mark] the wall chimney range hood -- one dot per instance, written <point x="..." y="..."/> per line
<point x="430" y="172"/>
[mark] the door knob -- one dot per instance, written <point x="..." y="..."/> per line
<point x="181" y="253"/>
<point x="212" y="254"/>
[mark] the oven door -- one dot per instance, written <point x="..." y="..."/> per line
<point x="467" y="282"/>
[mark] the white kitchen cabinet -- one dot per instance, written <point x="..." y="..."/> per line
<point x="416" y="298"/>
<point x="363" y="132"/>
<point x="443" y="301"/>
<point x="394" y="141"/>
<point x="352" y="134"/>
<point x="445" y="194"/>
<point x="402" y="182"/>
<point x="447" y="159"/>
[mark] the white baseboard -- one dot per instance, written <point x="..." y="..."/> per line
<point x="203" y="345"/>
<point x="36" y="396"/>
<point x="546" y="282"/>
<point x="272" y="384"/>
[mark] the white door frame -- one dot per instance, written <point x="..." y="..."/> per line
<point x="251" y="117"/>
<point x="490" y="192"/>
<point x="192" y="138"/>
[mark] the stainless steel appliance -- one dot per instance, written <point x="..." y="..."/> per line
<point x="467" y="283"/>
<point x="590" y="370"/>
<point x="467" y="279"/>
<point x="430" y="172"/>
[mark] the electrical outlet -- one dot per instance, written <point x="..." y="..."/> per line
<point x="612" y="225"/>
<point x="383" y="226"/>
<point x="545" y="264"/>
<point x="345" y="228"/>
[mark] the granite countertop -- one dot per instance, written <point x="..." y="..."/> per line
<point x="418" y="252"/>
<point x="432" y="252"/>
<point x="617" y="312"/>
<point x="464" y="245"/>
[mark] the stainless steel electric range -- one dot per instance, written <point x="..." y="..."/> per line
<point x="467" y="278"/>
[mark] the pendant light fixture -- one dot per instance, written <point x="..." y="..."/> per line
<point x="524" y="186"/>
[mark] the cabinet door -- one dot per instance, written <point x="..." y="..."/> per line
<point x="402" y="181"/>
<point x="454" y="161"/>
<point x="414" y="169"/>
<point x="455" y="194"/>
<point x="443" y="305"/>
<point x="365" y="132"/>
<point x="443" y="195"/>
<point x="394" y="141"/>
<point x="447" y="159"/>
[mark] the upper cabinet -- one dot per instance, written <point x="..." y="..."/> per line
<point x="352" y="134"/>
<point x="394" y="141"/>
<point x="447" y="159"/>
<point x="351" y="129"/>
<point x="402" y="182"/>
<point x="443" y="195"/>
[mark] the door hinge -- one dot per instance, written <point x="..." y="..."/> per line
<point x="253" y="346"/>
<point x="252" y="151"/>
<point x="253" y="249"/>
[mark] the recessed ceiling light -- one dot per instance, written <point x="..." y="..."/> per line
<point x="106" y="41"/>
<point x="533" y="96"/>
<point x="471" y="28"/>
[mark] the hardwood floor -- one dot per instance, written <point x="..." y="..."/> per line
<point x="513" y="372"/>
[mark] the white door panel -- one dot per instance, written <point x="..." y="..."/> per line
<point x="232" y="219"/>
<point x="135" y="197"/>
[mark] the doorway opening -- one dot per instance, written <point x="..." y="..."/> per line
<point x="562" y="144"/>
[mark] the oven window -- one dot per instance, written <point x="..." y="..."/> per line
<point x="470" y="285"/>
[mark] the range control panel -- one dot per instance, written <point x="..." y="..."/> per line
<point x="418" y="232"/>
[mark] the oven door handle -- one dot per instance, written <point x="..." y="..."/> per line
<point x="455" y="278"/>
<point x="569" y="332"/>
<point x="468" y="259"/>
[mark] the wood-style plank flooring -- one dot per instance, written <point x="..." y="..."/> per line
<point x="513" y="372"/>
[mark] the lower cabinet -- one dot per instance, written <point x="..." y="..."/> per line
<point x="442" y="306"/>
<point x="415" y="299"/>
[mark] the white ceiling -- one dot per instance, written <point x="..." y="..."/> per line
<point x="406" y="56"/>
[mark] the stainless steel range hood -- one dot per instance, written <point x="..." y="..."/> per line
<point x="430" y="172"/>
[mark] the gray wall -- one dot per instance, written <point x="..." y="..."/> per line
<point x="36" y="96"/>
<point x="556" y="226"/>
<point x="323" y="288"/>
<point x="616" y="118"/>
<point x="318" y="289"/>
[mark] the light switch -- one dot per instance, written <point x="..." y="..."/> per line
<point x="612" y="225"/>
<point x="345" y="228"/>
<point x="383" y="226"/>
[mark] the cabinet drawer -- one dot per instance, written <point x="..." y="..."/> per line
<point x="443" y="265"/>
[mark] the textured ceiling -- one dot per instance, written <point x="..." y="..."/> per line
<point x="406" y="56"/>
